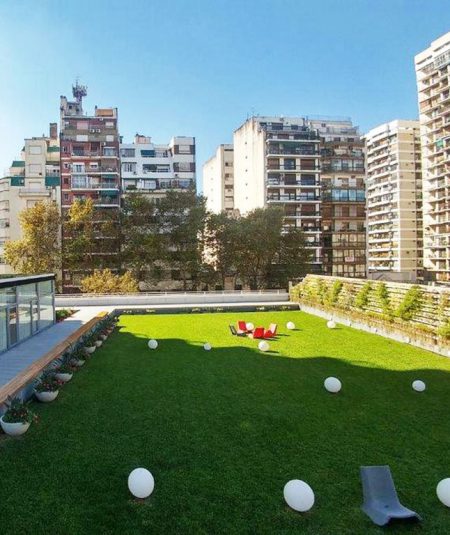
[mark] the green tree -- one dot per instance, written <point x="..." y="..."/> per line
<point x="268" y="254"/>
<point x="181" y="218"/>
<point x="39" y="250"/>
<point x="141" y="241"/>
<point x="221" y="238"/>
<point x="105" y="281"/>
<point x="91" y="238"/>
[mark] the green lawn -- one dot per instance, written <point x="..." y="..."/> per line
<point x="223" y="431"/>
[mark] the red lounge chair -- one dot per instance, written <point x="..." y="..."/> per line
<point x="242" y="326"/>
<point x="258" y="333"/>
<point x="271" y="331"/>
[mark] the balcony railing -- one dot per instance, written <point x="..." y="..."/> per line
<point x="287" y="197"/>
<point x="93" y="184"/>
<point x="279" y="167"/>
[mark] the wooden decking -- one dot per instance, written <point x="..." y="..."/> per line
<point x="30" y="373"/>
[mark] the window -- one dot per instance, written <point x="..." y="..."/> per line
<point x="128" y="167"/>
<point x="127" y="153"/>
<point x="35" y="169"/>
<point x="35" y="149"/>
<point x="109" y="151"/>
<point x="109" y="138"/>
<point x="30" y="204"/>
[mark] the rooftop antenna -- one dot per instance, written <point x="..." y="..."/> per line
<point x="79" y="91"/>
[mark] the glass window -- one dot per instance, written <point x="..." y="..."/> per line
<point x="3" y="329"/>
<point x="45" y="303"/>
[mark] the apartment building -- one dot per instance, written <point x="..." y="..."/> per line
<point x="342" y="178"/>
<point x="155" y="169"/>
<point x="33" y="178"/>
<point x="90" y="169"/>
<point x="433" y="85"/>
<point x="218" y="180"/>
<point x="277" y="162"/>
<point x="314" y="170"/>
<point x="394" y="201"/>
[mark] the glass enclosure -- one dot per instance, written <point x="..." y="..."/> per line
<point x="27" y="306"/>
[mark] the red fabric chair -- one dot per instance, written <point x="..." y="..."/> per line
<point x="258" y="333"/>
<point x="271" y="331"/>
<point x="242" y="325"/>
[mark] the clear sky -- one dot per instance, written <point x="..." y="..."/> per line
<point x="199" y="67"/>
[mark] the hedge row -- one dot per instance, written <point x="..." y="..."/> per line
<point x="421" y="307"/>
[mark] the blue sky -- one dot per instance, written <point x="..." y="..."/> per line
<point x="199" y="67"/>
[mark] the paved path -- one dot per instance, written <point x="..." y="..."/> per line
<point x="21" y="356"/>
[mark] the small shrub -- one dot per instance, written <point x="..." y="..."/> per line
<point x="383" y="300"/>
<point x="410" y="304"/>
<point x="48" y="382"/>
<point x="18" y="411"/>
<point x="333" y="292"/>
<point x="362" y="297"/>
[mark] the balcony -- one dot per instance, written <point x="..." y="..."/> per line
<point x="293" y="168"/>
<point x="293" y="198"/>
<point x="34" y="192"/>
<point x="89" y="183"/>
<point x="292" y="151"/>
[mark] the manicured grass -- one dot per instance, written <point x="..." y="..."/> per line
<point x="223" y="431"/>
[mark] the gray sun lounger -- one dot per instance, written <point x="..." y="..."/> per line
<point x="381" y="503"/>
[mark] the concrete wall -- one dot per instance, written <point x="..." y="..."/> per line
<point x="177" y="298"/>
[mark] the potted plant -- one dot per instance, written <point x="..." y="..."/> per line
<point x="77" y="359"/>
<point x="48" y="387"/>
<point x="64" y="372"/>
<point x="17" y="418"/>
<point x="98" y="343"/>
<point x="89" y="344"/>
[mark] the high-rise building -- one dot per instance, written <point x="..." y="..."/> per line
<point x="394" y="201"/>
<point x="218" y="180"/>
<point x="155" y="169"/>
<point x="33" y="178"/>
<point x="277" y="162"/>
<point x="433" y="84"/>
<point x="343" y="198"/>
<point x="90" y="169"/>
<point x="313" y="169"/>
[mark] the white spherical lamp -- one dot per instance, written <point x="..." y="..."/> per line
<point x="207" y="347"/>
<point x="141" y="483"/>
<point x="443" y="491"/>
<point x="290" y="325"/>
<point x="331" y="324"/>
<point x="298" y="495"/>
<point x="419" y="386"/>
<point x="263" y="346"/>
<point x="332" y="384"/>
<point x="250" y="326"/>
<point x="152" y="344"/>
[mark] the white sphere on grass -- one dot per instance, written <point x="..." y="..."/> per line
<point x="152" y="344"/>
<point x="207" y="347"/>
<point x="331" y="324"/>
<point x="263" y="346"/>
<point x="443" y="491"/>
<point x="249" y="326"/>
<point x="141" y="483"/>
<point x="332" y="384"/>
<point x="298" y="495"/>
<point x="419" y="386"/>
<point x="290" y="325"/>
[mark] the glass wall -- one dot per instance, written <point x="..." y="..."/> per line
<point x="26" y="307"/>
<point x="46" y="312"/>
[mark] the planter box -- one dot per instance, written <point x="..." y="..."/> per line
<point x="46" y="397"/>
<point x="14" y="429"/>
<point x="64" y="377"/>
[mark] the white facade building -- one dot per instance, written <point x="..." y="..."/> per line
<point x="433" y="84"/>
<point x="218" y="180"/>
<point x="154" y="169"/>
<point x="394" y="201"/>
<point x="277" y="162"/>
<point x="33" y="178"/>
